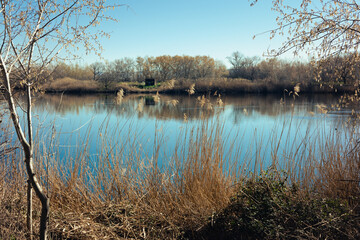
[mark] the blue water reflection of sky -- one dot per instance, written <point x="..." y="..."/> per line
<point x="252" y="126"/>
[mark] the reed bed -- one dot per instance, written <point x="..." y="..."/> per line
<point x="201" y="193"/>
<point x="71" y="85"/>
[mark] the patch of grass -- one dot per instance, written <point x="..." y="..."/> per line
<point x="71" y="85"/>
<point x="142" y="86"/>
<point x="140" y="200"/>
<point x="12" y="186"/>
<point x="157" y="85"/>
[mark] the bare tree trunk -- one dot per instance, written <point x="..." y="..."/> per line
<point x="29" y="160"/>
<point x="27" y="147"/>
<point x="29" y="197"/>
<point x="45" y="206"/>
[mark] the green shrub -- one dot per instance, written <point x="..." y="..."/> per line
<point x="267" y="207"/>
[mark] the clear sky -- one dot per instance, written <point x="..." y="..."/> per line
<point x="189" y="27"/>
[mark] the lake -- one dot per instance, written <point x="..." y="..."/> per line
<point x="250" y="127"/>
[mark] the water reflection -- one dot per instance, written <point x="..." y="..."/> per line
<point x="169" y="107"/>
<point x="252" y="124"/>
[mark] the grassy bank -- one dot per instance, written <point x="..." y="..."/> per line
<point x="201" y="86"/>
<point x="200" y="194"/>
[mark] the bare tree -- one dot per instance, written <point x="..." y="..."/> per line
<point x="33" y="33"/>
<point x="123" y="69"/>
<point x="242" y="67"/>
<point x="107" y="78"/>
<point x="323" y="28"/>
<point x="97" y="70"/>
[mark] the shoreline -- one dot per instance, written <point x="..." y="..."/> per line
<point x="254" y="88"/>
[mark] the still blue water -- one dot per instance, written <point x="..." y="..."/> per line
<point x="252" y="125"/>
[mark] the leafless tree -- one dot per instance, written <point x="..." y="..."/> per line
<point x="323" y="29"/>
<point x="124" y="69"/>
<point x="242" y="67"/>
<point x="97" y="69"/>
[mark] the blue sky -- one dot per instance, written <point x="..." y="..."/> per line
<point x="189" y="27"/>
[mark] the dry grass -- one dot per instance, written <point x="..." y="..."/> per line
<point x="226" y="85"/>
<point x="13" y="210"/>
<point x="12" y="187"/>
<point x="141" y="199"/>
<point x="71" y="85"/>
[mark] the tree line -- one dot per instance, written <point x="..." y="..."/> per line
<point x="341" y="69"/>
<point x="161" y="68"/>
<point x="335" y="69"/>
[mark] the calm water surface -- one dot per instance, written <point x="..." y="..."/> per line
<point x="252" y="125"/>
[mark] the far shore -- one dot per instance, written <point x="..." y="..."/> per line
<point x="200" y="86"/>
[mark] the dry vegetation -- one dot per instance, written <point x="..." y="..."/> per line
<point x="228" y="86"/>
<point x="202" y="86"/>
<point x="67" y="84"/>
<point x="177" y="73"/>
<point x="198" y="195"/>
